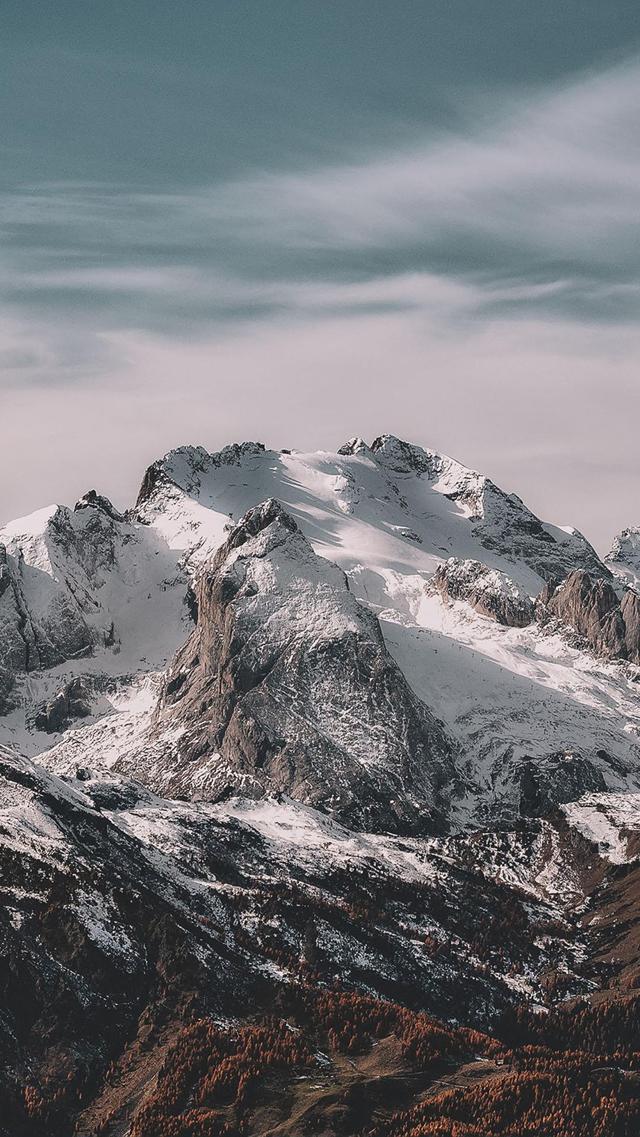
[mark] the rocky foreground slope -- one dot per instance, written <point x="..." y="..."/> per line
<point x="295" y="723"/>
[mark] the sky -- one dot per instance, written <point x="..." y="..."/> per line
<point x="301" y="220"/>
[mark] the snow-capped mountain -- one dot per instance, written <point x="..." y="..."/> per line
<point x="451" y="568"/>
<point x="284" y="690"/>
<point x="391" y="508"/>
<point x="286" y="686"/>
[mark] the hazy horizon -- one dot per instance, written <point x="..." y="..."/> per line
<point x="299" y="222"/>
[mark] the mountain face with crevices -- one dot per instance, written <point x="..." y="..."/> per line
<point x="79" y="584"/>
<point x="130" y="920"/>
<point x="610" y="623"/>
<point x="353" y="721"/>
<point x="286" y="686"/>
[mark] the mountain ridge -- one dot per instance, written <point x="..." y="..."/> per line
<point x="388" y="514"/>
<point x="352" y="731"/>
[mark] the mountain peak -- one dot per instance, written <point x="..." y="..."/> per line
<point x="319" y="544"/>
<point x="404" y="457"/>
<point x="185" y="466"/>
<point x="278" y="690"/>
<point x="624" y="556"/>
<point x="93" y="500"/>
<point x="256" y="520"/>
<point x="354" y="445"/>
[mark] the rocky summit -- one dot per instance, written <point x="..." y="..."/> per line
<point x="319" y="802"/>
<point x="286" y="686"/>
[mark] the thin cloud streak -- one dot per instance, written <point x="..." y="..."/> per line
<point x="547" y="191"/>
<point x="561" y="173"/>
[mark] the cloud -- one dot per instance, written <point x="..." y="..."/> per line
<point x="477" y="292"/>
<point x="559" y="173"/>
<point x="543" y="190"/>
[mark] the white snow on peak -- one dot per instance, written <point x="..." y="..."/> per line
<point x="110" y="571"/>
<point x="82" y="593"/>
<point x="512" y="693"/>
<point x="283" y="584"/>
<point x="28" y="537"/>
<point x="624" y="556"/>
<point x="391" y="507"/>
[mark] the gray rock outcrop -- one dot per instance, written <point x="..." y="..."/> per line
<point x="73" y="701"/>
<point x="548" y="782"/>
<point x="489" y="592"/>
<point x="593" y="609"/>
<point x="286" y="686"/>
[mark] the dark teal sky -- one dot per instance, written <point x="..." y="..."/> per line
<point x="161" y="93"/>
<point x="304" y="219"/>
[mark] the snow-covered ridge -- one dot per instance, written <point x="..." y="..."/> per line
<point x="610" y="624"/>
<point x="624" y="556"/>
<point x="82" y="592"/>
<point x="82" y="573"/>
<point x="360" y="505"/>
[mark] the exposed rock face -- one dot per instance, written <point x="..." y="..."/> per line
<point x="592" y="608"/>
<point x="152" y="480"/>
<point x="624" y="557"/>
<point x="547" y="783"/>
<point x="7" y="683"/>
<point x="503" y="522"/>
<point x="72" y="702"/>
<point x="6" y="675"/>
<point x="630" y="612"/>
<point x="490" y="592"/>
<point x="94" y="500"/>
<point x="76" y="581"/>
<point x="286" y="686"/>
